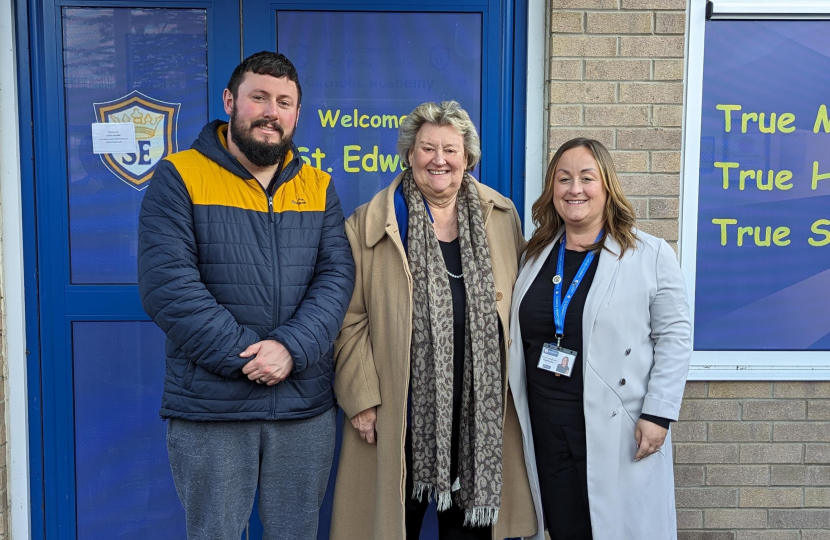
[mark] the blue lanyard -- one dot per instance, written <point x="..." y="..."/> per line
<point x="429" y="212"/>
<point x="560" y="307"/>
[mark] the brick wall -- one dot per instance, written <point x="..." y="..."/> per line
<point x="616" y="75"/>
<point x="752" y="459"/>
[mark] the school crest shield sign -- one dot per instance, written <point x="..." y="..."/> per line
<point x="155" y="133"/>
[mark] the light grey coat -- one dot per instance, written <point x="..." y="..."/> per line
<point x="636" y="328"/>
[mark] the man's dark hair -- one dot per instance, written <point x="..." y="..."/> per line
<point x="266" y="63"/>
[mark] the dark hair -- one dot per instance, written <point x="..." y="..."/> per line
<point x="266" y="63"/>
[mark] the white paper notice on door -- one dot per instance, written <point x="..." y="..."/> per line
<point x="113" y="138"/>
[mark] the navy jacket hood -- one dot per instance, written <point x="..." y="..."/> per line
<point x="210" y="144"/>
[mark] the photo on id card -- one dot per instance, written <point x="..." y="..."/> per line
<point x="564" y="366"/>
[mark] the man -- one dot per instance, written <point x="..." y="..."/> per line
<point x="245" y="265"/>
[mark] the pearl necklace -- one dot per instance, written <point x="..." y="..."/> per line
<point x="456" y="276"/>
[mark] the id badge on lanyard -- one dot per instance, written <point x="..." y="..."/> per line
<point x="555" y="358"/>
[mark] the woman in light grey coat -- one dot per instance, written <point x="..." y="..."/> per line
<point x="597" y="447"/>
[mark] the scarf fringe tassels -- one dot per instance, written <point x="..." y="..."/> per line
<point x="480" y="516"/>
<point x="443" y="499"/>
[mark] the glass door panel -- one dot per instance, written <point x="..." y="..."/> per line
<point x="363" y="73"/>
<point x="126" y="65"/>
<point x="123" y="484"/>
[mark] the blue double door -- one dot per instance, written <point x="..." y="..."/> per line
<point x="99" y="466"/>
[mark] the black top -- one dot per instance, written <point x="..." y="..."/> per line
<point x="452" y="259"/>
<point x="559" y="399"/>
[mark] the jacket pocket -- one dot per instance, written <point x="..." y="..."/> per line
<point x="188" y="374"/>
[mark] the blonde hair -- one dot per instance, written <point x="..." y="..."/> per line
<point x="447" y="113"/>
<point x="619" y="214"/>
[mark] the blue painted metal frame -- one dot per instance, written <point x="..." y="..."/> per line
<point x="505" y="98"/>
<point x="518" y="145"/>
<point x="504" y="60"/>
<point x="59" y="303"/>
<point x="39" y="31"/>
<point x="30" y="283"/>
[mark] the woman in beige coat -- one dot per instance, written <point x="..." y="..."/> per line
<point x="421" y="361"/>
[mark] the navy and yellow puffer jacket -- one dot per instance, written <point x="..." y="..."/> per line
<point x="221" y="266"/>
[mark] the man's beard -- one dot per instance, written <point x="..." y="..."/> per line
<point x="261" y="154"/>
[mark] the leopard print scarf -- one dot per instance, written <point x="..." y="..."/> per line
<point x="477" y="490"/>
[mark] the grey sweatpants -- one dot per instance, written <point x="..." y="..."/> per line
<point x="217" y="466"/>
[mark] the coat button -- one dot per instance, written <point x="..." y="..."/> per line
<point x="499" y="296"/>
<point x="627" y="352"/>
<point x="622" y="382"/>
<point x="614" y="413"/>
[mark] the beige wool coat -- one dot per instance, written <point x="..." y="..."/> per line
<point x="372" y="369"/>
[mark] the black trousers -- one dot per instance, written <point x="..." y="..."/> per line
<point x="561" y="462"/>
<point x="451" y="520"/>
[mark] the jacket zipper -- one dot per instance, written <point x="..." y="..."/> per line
<point x="275" y="273"/>
<point x="273" y="241"/>
<point x="273" y="229"/>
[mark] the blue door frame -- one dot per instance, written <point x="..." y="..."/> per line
<point x="59" y="302"/>
<point x="52" y="302"/>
